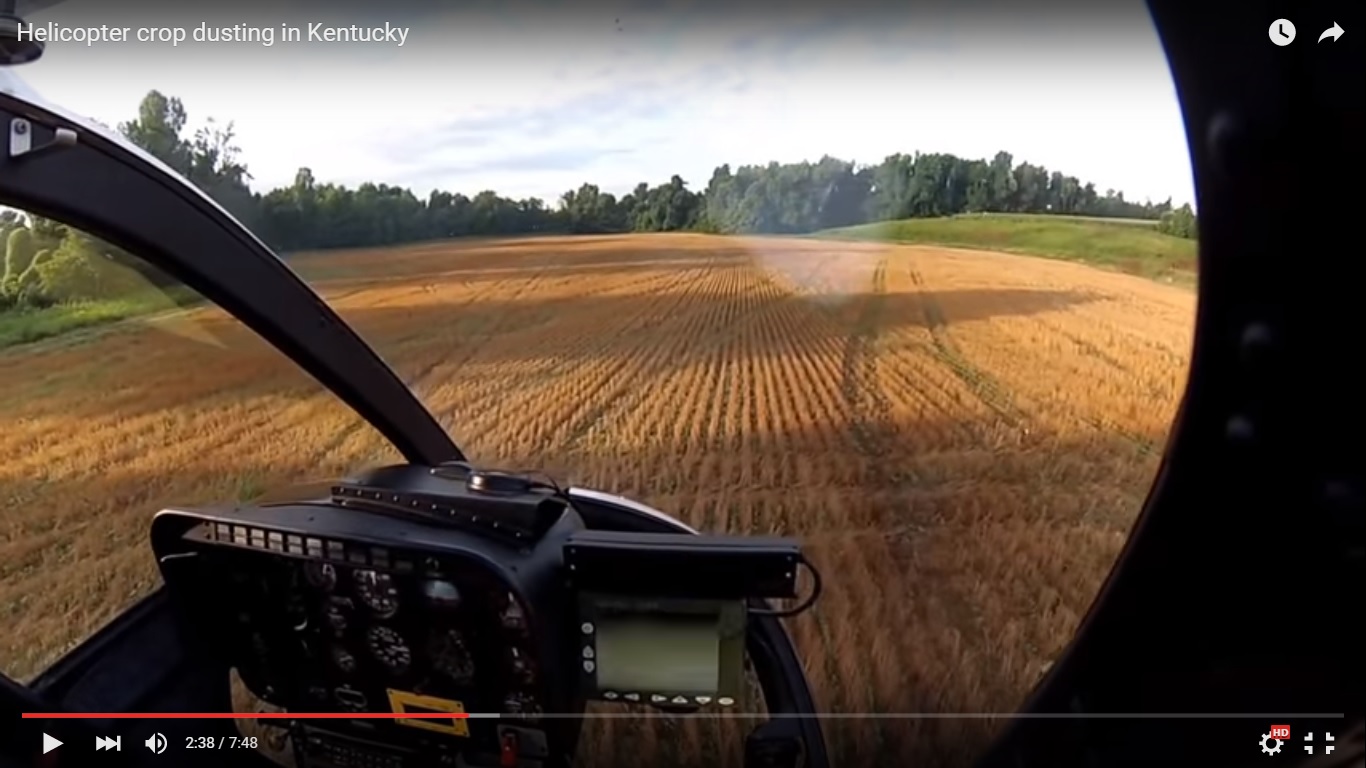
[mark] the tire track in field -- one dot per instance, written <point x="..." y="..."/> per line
<point x="871" y="427"/>
<point x="923" y="393"/>
<point x="802" y="379"/>
<point x="989" y="390"/>
<point x="1143" y="445"/>
<point x="1085" y="346"/>
<point x="984" y="386"/>
<point x="898" y="379"/>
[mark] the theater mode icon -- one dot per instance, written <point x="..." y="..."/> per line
<point x="1327" y="743"/>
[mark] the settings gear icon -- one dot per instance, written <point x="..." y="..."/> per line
<point x="1269" y="749"/>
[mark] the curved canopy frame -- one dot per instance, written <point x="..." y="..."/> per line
<point x="62" y="167"/>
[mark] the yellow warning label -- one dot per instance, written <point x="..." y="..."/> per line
<point x="404" y="702"/>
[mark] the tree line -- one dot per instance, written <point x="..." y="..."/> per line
<point x="777" y="198"/>
<point x="791" y="198"/>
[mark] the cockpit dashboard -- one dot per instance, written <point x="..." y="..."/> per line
<point x="494" y="605"/>
<point x="320" y="612"/>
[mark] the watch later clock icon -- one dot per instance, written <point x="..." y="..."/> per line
<point x="1282" y="32"/>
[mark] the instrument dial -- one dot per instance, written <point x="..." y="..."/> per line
<point x="378" y="592"/>
<point x="343" y="660"/>
<point x="321" y="576"/>
<point x="388" y="648"/>
<point x="442" y="594"/>
<point x="451" y="657"/>
<point x="523" y="671"/>
<point x="511" y="615"/>
<point x="337" y="612"/>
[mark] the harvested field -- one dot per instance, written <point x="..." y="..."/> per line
<point x="962" y="438"/>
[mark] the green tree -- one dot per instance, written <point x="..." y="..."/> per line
<point x="158" y="128"/>
<point x="79" y="271"/>
<point x="1180" y="223"/>
<point x="19" y="252"/>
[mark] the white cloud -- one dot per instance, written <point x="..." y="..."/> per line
<point x="532" y="99"/>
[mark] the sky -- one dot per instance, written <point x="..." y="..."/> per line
<point x="534" y="97"/>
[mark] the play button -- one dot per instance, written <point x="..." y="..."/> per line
<point x="50" y="743"/>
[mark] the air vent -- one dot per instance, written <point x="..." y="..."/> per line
<point x="332" y="550"/>
<point x="520" y="518"/>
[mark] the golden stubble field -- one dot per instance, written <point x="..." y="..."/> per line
<point x="961" y="438"/>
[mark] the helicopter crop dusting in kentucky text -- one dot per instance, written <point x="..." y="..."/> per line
<point x="313" y="32"/>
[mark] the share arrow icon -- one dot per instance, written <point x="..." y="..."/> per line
<point x="1334" y="32"/>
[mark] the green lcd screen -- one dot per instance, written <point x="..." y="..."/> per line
<point x="692" y="648"/>
<point x="679" y="654"/>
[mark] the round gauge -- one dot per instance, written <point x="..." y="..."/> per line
<point x="336" y="613"/>
<point x="378" y="592"/>
<point x="512" y="616"/>
<point x="298" y="619"/>
<point x="450" y="656"/>
<point x="296" y="611"/>
<point x="523" y="671"/>
<point x="441" y="594"/>
<point x="343" y="660"/>
<point x="387" y="646"/>
<point x="321" y="576"/>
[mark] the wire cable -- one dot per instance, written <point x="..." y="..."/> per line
<point x="816" y="586"/>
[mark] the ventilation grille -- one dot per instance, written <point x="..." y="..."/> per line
<point x="313" y="547"/>
<point x="518" y="521"/>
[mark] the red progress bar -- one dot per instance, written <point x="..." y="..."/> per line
<point x="246" y="715"/>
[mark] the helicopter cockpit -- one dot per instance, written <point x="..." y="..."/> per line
<point x="431" y="609"/>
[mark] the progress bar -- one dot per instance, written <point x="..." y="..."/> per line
<point x="684" y="715"/>
<point x="254" y="715"/>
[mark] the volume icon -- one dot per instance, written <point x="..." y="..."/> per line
<point x="156" y="742"/>
<point x="104" y="743"/>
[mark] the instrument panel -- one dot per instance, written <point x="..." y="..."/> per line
<point x="408" y="593"/>
<point x="334" y="624"/>
<point x="441" y="630"/>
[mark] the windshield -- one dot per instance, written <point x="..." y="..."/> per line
<point x="913" y="286"/>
